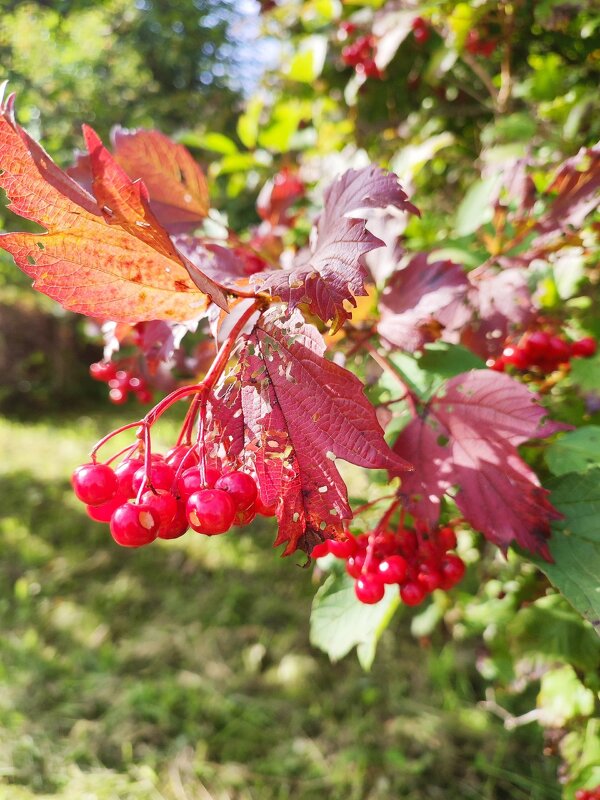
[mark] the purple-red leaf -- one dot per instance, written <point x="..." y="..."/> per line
<point x="331" y="273"/>
<point x="292" y="413"/>
<point x="422" y="300"/>
<point x="468" y="438"/>
<point x="106" y="257"/>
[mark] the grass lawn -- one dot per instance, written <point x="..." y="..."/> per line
<point x="183" y="671"/>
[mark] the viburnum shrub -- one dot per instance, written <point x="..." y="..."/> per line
<point x="277" y="400"/>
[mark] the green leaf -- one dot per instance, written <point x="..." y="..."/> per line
<point x="339" y="622"/>
<point x="475" y="209"/>
<point x="248" y="123"/>
<point x="216" y="142"/>
<point x="575" y="451"/>
<point x="551" y="628"/>
<point x="307" y="64"/>
<point x="424" y="374"/>
<point x="447" y="360"/>
<point x="575" y="574"/>
<point x="585" y="372"/>
<point x="577" y="496"/>
<point x="575" y="542"/>
<point x="562" y="697"/>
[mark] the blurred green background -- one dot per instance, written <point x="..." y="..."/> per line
<point x="184" y="671"/>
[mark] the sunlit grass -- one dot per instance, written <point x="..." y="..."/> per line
<point x="183" y="670"/>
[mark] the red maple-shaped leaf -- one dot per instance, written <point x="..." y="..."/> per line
<point x="175" y="183"/>
<point x="331" y="272"/>
<point x="501" y="303"/>
<point x="467" y="437"/>
<point x="291" y="412"/>
<point x="104" y="256"/>
<point x="573" y="192"/>
<point x="421" y="301"/>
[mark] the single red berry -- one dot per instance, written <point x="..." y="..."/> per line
<point x="429" y="575"/>
<point x="412" y="593"/>
<point x="161" y="476"/>
<point x="103" y="370"/>
<point x="446" y="538"/>
<point x="354" y="565"/>
<point x="515" y="356"/>
<point x="497" y="364"/>
<point x="178" y="525"/>
<point x="144" y="396"/>
<point x="135" y="383"/>
<point x="369" y="589"/>
<point x="94" y="484"/>
<point x="320" y="550"/>
<point x="343" y="549"/>
<point x="392" y="569"/>
<point x="118" y="396"/>
<point x="244" y="517"/>
<point x="164" y="504"/>
<point x="536" y="345"/>
<point x="240" y="486"/>
<point x="263" y="509"/>
<point x="420" y="30"/>
<point x="452" y="569"/>
<point x="125" y="473"/>
<point x="558" y="350"/>
<point x="182" y="453"/>
<point x="407" y="542"/>
<point x="134" y="525"/>
<point x="104" y="512"/>
<point x="584" y="348"/>
<point x="190" y="480"/>
<point x="210" y="511"/>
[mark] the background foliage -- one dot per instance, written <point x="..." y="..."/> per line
<point x="188" y="672"/>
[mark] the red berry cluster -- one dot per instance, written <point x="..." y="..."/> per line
<point x="588" y="794"/>
<point x="417" y="562"/>
<point x="361" y="55"/>
<point x="543" y="352"/>
<point x="420" y="30"/>
<point x="122" y="381"/>
<point x="478" y="45"/>
<point x="175" y="493"/>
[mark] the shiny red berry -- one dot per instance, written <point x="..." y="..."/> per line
<point x="103" y="370"/>
<point x="412" y="593"/>
<point x="584" y="348"/>
<point x="118" y="396"/>
<point x="164" y="504"/>
<point x="190" y="480"/>
<point x="354" y="565"/>
<point x="320" y="550"/>
<point x="343" y="549"/>
<point x="369" y="589"/>
<point x="178" y="525"/>
<point x="452" y="569"/>
<point x="125" y="473"/>
<point x="134" y="525"/>
<point x="94" y="484"/>
<point x="210" y="511"/>
<point x="429" y="576"/>
<point x="263" y="509"/>
<point x="244" y="517"/>
<point x="240" y="486"/>
<point x="104" y="511"/>
<point x="182" y="454"/>
<point x="161" y="476"/>
<point x="446" y="538"/>
<point x="392" y="569"/>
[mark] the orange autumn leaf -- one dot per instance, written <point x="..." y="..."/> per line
<point x="175" y="182"/>
<point x="105" y="256"/>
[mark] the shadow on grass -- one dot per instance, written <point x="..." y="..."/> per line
<point x="190" y="659"/>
